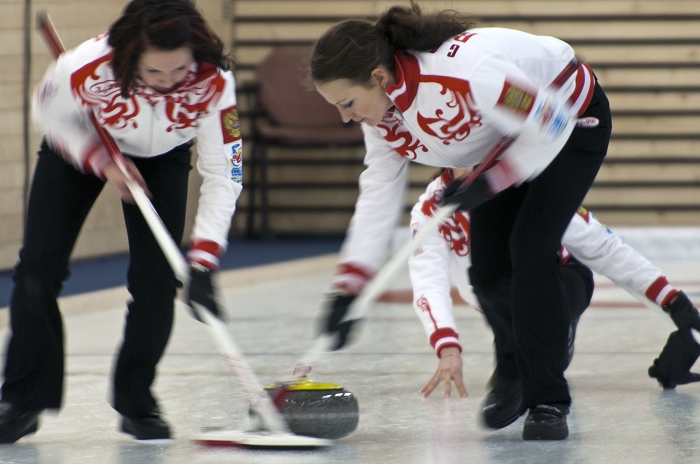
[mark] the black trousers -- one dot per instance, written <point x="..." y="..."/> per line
<point x="59" y="202"/>
<point x="496" y="303"/>
<point x="516" y="236"/>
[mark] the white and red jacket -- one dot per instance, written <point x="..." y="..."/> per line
<point x="148" y="124"/>
<point x="444" y="257"/>
<point x="484" y="91"/>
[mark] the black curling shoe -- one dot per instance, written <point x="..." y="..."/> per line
<point x="503" y="405"/>
<point x="546" y="422"/>
<point x="16" y="423"/>
<point x="150" y="427"/>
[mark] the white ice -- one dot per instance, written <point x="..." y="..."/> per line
<point x="619" y="414"/>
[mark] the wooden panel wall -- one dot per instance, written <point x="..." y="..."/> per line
<point x="646" y="55"/>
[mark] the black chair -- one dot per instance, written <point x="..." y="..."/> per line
<point x="285" y="113"/>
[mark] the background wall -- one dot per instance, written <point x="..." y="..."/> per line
<point x="646" y="53"/>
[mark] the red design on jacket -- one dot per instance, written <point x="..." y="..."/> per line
<point x="454" y="229"/>
<point x="190" y="101"/>
<point x="95" y="86"/>
<point x="401" y="140"/>
<point x="456" y="126"/>
<point x="423" y="304"/>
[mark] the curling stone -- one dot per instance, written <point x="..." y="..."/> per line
<point x="321" y="410"/>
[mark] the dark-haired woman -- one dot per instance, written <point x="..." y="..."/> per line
<point x="438" y="91"/>
<point x="157" y="80"/>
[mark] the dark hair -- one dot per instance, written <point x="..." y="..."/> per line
<point x="165" y="25"/>
<point x="353" y="48"/>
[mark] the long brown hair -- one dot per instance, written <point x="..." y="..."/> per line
<point x="165" y="25"/>
<point x="353" y="48"/>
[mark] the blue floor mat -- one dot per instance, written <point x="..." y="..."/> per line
<point x="110" y="271"/>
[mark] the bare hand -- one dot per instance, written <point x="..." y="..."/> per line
<point x="459" y="173"/>
<point x="117" y="179"/>
<point x="449" y="370"/>
<point x="301" y="369"/>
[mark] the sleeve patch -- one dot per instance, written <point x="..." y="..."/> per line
<point x="230" y="125"/>
<point x="517" y="99"/>
<point x="236" y="162"/>
<point x="583" y="212"/>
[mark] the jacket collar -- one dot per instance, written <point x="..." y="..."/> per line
<point x="407" y="78"/>
<point x="198" y="73"/>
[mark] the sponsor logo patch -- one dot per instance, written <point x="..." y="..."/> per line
<point x="230" y="125"/>
<point x="588" y="122"/>
<point x="517" y="99"/>
<point x="236" y="162"/>
<point x="551" y="118"/>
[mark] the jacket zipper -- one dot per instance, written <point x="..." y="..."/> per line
<point x="154" y="118"/>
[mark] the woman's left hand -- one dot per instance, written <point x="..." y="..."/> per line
<point x="120" y="181"/>
<point x="469" y="196"/>
<point x="449" y="370"/>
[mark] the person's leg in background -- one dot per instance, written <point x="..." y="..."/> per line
<point x="490" y="276"/>
<point x="578" y="283"/>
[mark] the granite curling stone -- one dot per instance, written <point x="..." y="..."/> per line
<point x="320" y="410"/>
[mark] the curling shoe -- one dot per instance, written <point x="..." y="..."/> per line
<point x="546" y="422"/>
<point x="503" y="405"/>
<point x="16" y="423"/>
<point x="150" y="427"/>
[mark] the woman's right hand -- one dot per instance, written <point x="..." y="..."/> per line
<point x="117" y="179"/>
<point x="449" y="370"/>
<point x="332" y="320"/>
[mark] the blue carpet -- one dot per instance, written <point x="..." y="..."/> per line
<point x="110" y="271"/>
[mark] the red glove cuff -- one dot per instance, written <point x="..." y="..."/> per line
<point x="95" y="160"/>
<point x="443" y="338"/>
<point x="206" y="253"/>
<point x="351" y="278"/>
<point x="661" y="292"/>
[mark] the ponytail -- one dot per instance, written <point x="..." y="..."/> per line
<point x="408" y="29"/>
<point x="352" y="49"/>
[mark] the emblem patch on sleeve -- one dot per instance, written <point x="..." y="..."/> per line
<point x="517" y="99"/>
<point x="236" y="162"/>
<point x="552" y="117"/>
<point x="583" y="212"/>
<point x="230" y="125"/>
